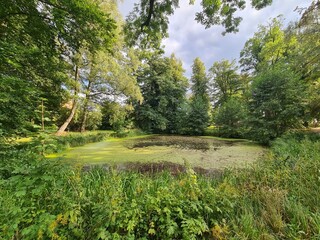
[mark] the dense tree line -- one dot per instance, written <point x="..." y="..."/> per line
<point x="80" y="67"/>
<point x="59" y="62"/>
<point x="273" y="93"/>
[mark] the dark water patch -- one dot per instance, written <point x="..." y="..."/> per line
<point x="154" y="168"/>
<point x="181" y="142"/>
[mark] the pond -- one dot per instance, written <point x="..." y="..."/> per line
<point x="159" y="152"/>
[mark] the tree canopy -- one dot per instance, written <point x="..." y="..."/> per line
<point x="148" y="23"/>
<point x="39" y="38"/>
<point x="79" y="65"/>
<point x="163" y="89"/>
<point x="277" y="103"/>
<point x="198" y="118"/>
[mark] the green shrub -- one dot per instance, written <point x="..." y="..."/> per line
<point x="230" y="118"/>
<point x="47" y="144"/>
<point x="276" y="104"/>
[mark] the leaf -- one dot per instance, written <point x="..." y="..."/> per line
<point x="152" y="231"/>
<point x="21" y="193"/>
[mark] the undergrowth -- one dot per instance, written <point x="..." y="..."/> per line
<point x="278" y="198"/>
<point x="47" y="143"/>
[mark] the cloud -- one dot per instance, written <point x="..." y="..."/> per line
<point x="188" y="39"/>
<point x="126" y="7"/>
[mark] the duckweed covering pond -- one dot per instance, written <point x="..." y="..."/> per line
<point x="202" y="152"/>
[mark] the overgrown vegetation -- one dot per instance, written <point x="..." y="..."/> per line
<point x="47" y="143"/>
<point x="71" y="80"/>
<point x="77" y="65"/>
<point x="278" y="197"/>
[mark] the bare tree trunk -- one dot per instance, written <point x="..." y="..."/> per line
<point x="74" y="106"/>
<point x="66" y="123"/>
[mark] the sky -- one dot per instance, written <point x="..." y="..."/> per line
<point x="189" y="39"/>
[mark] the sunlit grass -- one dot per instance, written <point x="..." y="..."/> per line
<point x="24" y="140"/>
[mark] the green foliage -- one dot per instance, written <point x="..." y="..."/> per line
<point x="276" y="104"/>
<point x="230" y="118"/>
<point x="277" y="197"/>
<point x="198" y="115"/>
<point x="148" y="23"/>
<point x="306" y="55"/>
<point x="294" y="47"/>
<point x="123" y="133"/>
<point x="66" y="20"/>
<point x="78" y="139"/>
<point x="224" y="82"/>
<point x="47" y="144"/>
<point x="163" y="87"/>
<point x="93" y="117"/>
<point x="105" y="76"/>
<point x="269" y="45"/>
<point x="307" y="52"/>
<point x="17" y="105"/>
<point x="199" y="78"/>
<point x="38" y="40"/>
<point x="114" y="116"/>
<point x="39" y="197"/>
<point x="51" y="200"/>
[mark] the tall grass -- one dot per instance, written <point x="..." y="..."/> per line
<point x="278" y="198"/>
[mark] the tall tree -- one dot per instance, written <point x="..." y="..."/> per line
<point x="306" y="57"/>
<point x="115" y="116"/>
<point x="163" y="88"/>
<point x="199" y="104"/>
<point x="230" y="117"/>
<point x="17" y="104"/>
<point x="86" y="48"/>
<point x="107" y="76"/>
<point x="277" y="103"/>
<point x="37" y="37"/>
<point x="74" y="107"/>
<point x="267" y="47"/>
<point x="224" y="81"/>
<point x="228" y="91"/>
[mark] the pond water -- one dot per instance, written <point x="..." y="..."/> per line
<point x="158" y="152"/>
<point x="182" y="142"/>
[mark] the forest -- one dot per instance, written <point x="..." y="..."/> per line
<point x="90" y="103"/>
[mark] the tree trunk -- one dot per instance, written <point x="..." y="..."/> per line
<point x="42" y="115"/>
<point x="66" y="123"/>
<point x="84" y="119"/>
<point x="85" y="108"/>
<point x="74" y="106"/>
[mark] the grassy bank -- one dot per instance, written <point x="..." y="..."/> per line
<point x="278" y="198"/>
<point x="46" y="143"/>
